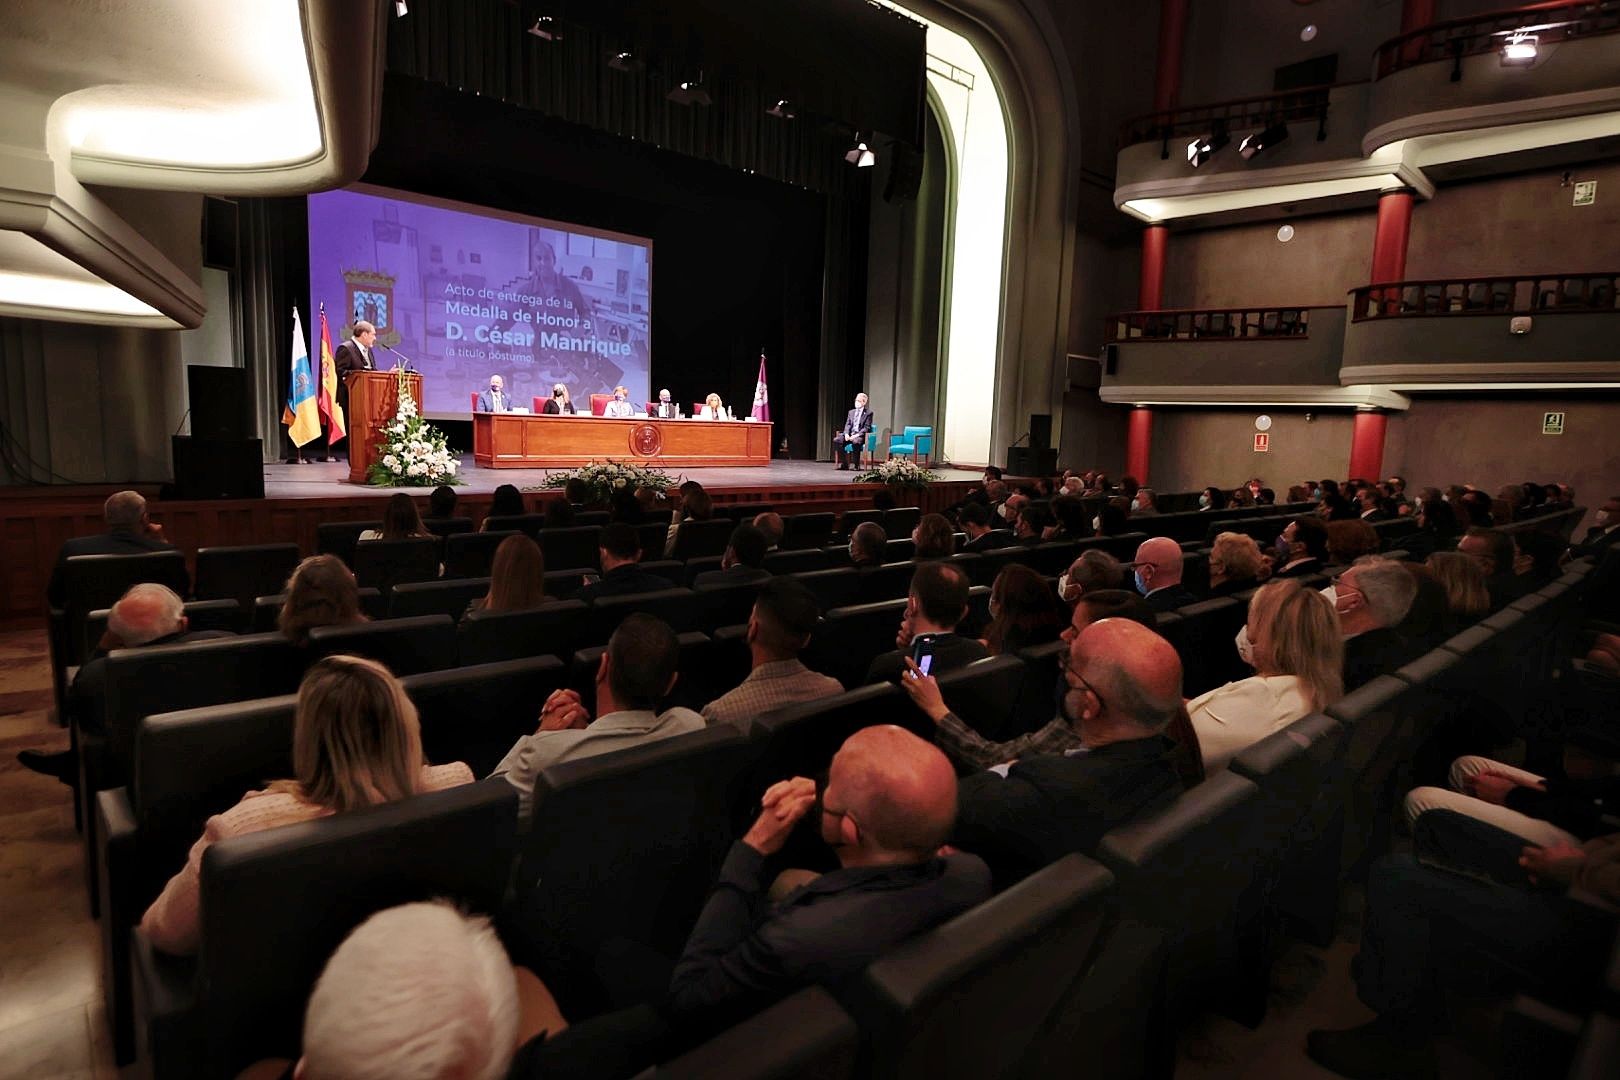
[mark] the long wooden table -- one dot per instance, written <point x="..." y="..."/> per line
<point x="526" y="440"/>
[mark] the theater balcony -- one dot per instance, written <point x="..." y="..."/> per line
<point x="1526" y="88"/>
<point x="1286" y="355"/>
<point x="1486" y="333"/>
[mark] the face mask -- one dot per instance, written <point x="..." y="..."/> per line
<point x="1136" y="504"/>
<point x="1417" y="503"/>
<point x="1604" y="517"/>
<point x="1283" y="547"/>
<point x="1332" y="594"/>
<point x="1141" y="586"/>
<point x="1063" y="585"/>
<point x="1203" y="502"/>
<point x="1096" y="524"/>
<point x="494" y="389"/>
<point x="1245" y="647"/>
<point x="1002" y="510"/>
<point x="1316" y="493"/>
<point x="1445" y="498"/>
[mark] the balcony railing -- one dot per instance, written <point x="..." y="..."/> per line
<point x="1308" y="103"/>
<point x="1543" y="294"/>
<point x="1290" y="323"/>
<point x="1475" y="35"/>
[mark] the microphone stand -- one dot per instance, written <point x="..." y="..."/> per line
<point x="410" y="365"/>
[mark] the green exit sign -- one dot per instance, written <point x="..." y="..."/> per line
<point x="1552" y="423"/>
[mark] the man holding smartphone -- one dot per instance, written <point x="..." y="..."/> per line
<point x="936" y="605"/>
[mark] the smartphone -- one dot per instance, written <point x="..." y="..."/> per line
<point x="922" y="652"/>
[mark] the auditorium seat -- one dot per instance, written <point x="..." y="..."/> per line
<point x="677" y="607"/>
<point x="471" y="554"/>
<point x="899" y="548"/>
<point x="572" y="548"/>
<point x="697" y="538"/>
<point x="243" y="573"/>
<point x="1204" y="639"/>
<point x="200" y="615"/>
<point x="382" y="564"/>
<point x="277" y="903"/>
<point x="621" y="853"/>
<point x="983" y="694"/>
<point x="340" y="537"/>
<point x="92" y="582"/>
<point x="597" y="518"/>
<point x="805" y="1035"/>
<point x="899" y="521"/>
<point x="553" y="629"/>
<point x="1123" y="547"/>
<point x="186" y="766"/>
<point x="267" y="609"/>
<point x="1190" y="871"/>
<point x="693" y="689"/>
<point x="800" y="740"/>
<point x="1382" y="733"/>
<point x="801" y="531"/>
<point x="530" y="524"/>
<point x="563" y="584"/>
<point x="850" y="520"/>
<point x="672" y="570"/>
<point x="726" y="604"/>
<point x="974" y="996"/>
<point x="833" y="588"/>
<point x="891" y="581"/>
<point x="404" y="646"/>
<point x="847" y="639"/>
<point x="990" y="563"/>
<point x="476" y="713"/>
<point x="448" y="597"/>
<point x="652" y="535"/>
<point x="802" y="561"/>
<point x="730" y="659"/>
<point x="444" y="528"/>
<point x="1037" y="703"/>
<point x="1049" y="559"/>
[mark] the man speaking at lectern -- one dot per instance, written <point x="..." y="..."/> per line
<point x="354" y="355"/>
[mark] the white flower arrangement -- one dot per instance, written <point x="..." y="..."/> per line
<point x="603" y="479"/>
<point x="898" y="472"/>
<point x="414" y="453"/>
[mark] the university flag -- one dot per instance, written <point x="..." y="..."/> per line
<point x="336" y="425"/>
<point x="300" y="414"/>
<point x="762" y="399"/>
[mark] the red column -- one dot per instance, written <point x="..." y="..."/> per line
<point x="1389" y="240"/>
<point x="1138" y="443"/>
<point x="1150" y="287"/>
<point x="1367" y="445"/>
<point x="1172" y="33"/>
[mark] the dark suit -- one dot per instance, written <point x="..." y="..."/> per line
<point x="951" y="651"/>
<point x="852" y="439"/>
<point x="623" y="581"/>
<point x="486" y="402"/>
<point x="1304" y="569"/>
<point x="113" y="542"/>
<point x="86" y="702"/>
<point x="990" y="541"/>
<point x="350" y="356"/>
<point x="1374" y="653"/>
<point x="737" y="575"/>
<point x="1170" y="597"/>
<point x="666" y="410"/>
<point x="1597" y="540"/>
<point x="1052" y="804"/>
<point x="1506" y="588"/>
<point x="553" y="408"/>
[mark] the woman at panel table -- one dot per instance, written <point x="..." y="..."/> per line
<point x="560" y="402"/>
<point x="620" y="408"/>
<point x="712" y="408"/>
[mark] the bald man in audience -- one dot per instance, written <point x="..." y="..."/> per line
<point x="1122" y="689"/>
<point x="770" y="523"/>
<point x="888" y="805"/>
<point x="1158" y="575"/>
<point x="130" y="531"/>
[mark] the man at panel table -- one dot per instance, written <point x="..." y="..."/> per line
<point x="666" y="409"/>
<point x="495" y="399"/>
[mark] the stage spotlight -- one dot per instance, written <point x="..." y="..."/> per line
<point x="1200" y="149"/>
<point x="860" y="155"/>
<point x="782" y="110"/>
<point x="1264" y="139"/>
<point x="546" y="28"/>
<point x="401" y="9"/>
<point x="623" y="61"/>
<point x="690" y="92"/>
<point x="1519" y="49"/>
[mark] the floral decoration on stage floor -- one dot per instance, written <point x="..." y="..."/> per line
<point x="602" y="479"/>
<point x="413" y="452"/>
<point x="897" y="472"/>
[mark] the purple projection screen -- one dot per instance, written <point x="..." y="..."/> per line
<point x="467" y="292"/>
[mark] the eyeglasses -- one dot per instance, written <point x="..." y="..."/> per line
<point x="1066" y="667"/>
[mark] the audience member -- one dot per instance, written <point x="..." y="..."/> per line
<point x="778" y="631"/>
<point x="1158" y="574"/>
<point x="1475" y="509"/>
<point x="936" y="604"/>
<point x="130" y="531"/>
<point x="1110" y="519"/>
<point x="1142" y="503"/>
<point x="1567" y="806"/>
<point x="743" y="562"/>
<point x="619" y="550"/>
<point x="1464" y="583"/>
<point x="995" y="498"/>
<point x="1094" y="570"/>
<point x="1291" y="640"/>
<point x="517" y="578"/>
<point x="638" y="669"/>
<point x="1348" y="541"/>
<point x="770" y="526"/>
<point x="933" y="538"/>
<point x="1301" y="547"/>
<point x="867" y="545"/>
<point x="975" y="522"/>
<point x="442" y="503"/>
<point x="694" y="504"/>
<point x="1538" y="556"/>
<point x="1429" y="622"/>
<point x="1372" y="599"/>
<point x="1437" y="527"/>
<point x="1012" y="507"/>
<point x="1023" y="611"/>
<point x="1235" y="564"/>
<point x="1212" y="498"/>
<point x="1070" y="520"/>
<point x="624" y="506"/>
<point x="1604" y="533"/>
<point x="559" y="514"/>
<point x="1492" y="551"/>
<point x="400" y="521"/>
<point x="1123" y="688"/>
<point x="576" y="492"/>
<point x="507" y="501"/>
<point x="320" y="592"/>
<point x="1033" y="519"/>
<point x="356" y="743"/>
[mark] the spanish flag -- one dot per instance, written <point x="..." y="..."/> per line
<point x="336" y="425"/>
<point x="300" y="414"/>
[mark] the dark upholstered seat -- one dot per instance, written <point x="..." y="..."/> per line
<point x="404" y="646"/>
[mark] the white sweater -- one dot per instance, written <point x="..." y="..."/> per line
<point x="1241" y="713"/>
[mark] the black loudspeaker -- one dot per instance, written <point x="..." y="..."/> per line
<point x="219" y="402"/>
<point x="1030" y="461"/>
<point x="219" y="234"/>
<point x="1040" y="430"/>
<point x="1110" y="359"/>
<point x="905" y="173"/>
<point x="217" y="468"/>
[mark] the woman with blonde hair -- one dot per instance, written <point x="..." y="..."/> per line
<point x="321" y="592"/>
<point x="1292" y="641"/>
<point x="1464" y="582"/>
<point x="1235" y="564"/>
<point x="713" y="408"/>
<point x="356" y="743"/>
<point x="517" y="577"/>
<point x="560" y="402"/>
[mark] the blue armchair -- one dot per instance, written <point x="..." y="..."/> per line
<point x="915" y="442"/>
<point x="871" y="447"/>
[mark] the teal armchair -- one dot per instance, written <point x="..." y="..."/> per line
<point x="916" y="442"/>
<point x="871" y="447"/>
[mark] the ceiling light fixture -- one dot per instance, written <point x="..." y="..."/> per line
<point x="1519" y="49"/>
<point x="690" y="92"/>
<point x="1200" y="149"/>
<point x="546" y="29"/>
<point x="782" y="110"/>
<point x="622" y="61"/>
<point x="401" y="9"/>
<point x="860" y="155"/>
<point x="1263" y="139"/>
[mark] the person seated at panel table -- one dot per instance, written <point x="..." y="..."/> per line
<point x="620" y="408"/>
<point x="712" y="409"/>
<point x="496" y="399"/>
<point x="560" y="402"/>
<point x="666" y="409"/>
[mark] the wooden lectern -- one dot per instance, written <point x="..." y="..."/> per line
<point x="371" y="405"/>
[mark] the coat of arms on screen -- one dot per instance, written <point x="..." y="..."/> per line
<point x="646" y="440"/>
<point x="371" y="297"/>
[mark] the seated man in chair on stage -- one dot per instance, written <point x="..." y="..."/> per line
<point x="847" y="443"/>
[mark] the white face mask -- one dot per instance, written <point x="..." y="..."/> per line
<point x="1136" y="504"/>
<point x="1245" y="647"/>
<point x="1063" y="585"/>
<point x="1002" y="510"/>
<point x="1096" y="524"/>
<point x="1331" y="591"/>
<point x="1604" y="517"/>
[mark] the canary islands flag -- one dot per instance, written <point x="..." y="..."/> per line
<point x="300" y="415"/>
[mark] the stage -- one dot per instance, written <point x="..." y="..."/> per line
<point x="322" y="480"/>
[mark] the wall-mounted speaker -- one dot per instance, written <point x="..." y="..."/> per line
<point x="1040" y="430"/>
